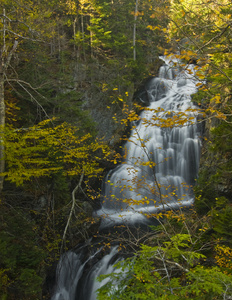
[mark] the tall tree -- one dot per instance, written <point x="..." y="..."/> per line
<point x="20" y="23"/>
<point x="134" y="29"/>
<point x="6" y="53"/>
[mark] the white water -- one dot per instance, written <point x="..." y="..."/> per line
<point x="71" y="269"/>
<point x="134" y="188"/>
<point x="68" y="273"/>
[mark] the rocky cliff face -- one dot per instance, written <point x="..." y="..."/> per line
<point x="106" y="101"/>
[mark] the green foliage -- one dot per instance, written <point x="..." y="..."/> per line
<point x="75" y="56"/>
<point x="202" y="30"/>
<point x="221" y="141"/>
<point x="215" y="176"/>
<point x="207" y="283"/>
<point x="205" y="192"/>
<point x="161" y="272"/>
<point x="221" y="222"/>
<point x="43" y="150"/>
<point x="21" y="257"/>
<point x="30" y="282"/>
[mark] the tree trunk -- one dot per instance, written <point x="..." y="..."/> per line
<point x="2" y="125"/>
<point x="2" y="103"/>
<point x="5" y="58"/>
<point x="134" y="29"/>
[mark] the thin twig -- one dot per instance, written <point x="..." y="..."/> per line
<point x="72" y="209"/>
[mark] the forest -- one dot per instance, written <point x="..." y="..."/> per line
<point x="70" y="76"/>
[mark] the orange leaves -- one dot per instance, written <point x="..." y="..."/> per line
<point x="130" y="115"/>
<point x="200" y="76"/>
<point x="117" y="157"/>
<point x="223" y="256"/>
<point x="176" y="119"/>
<point x="138" y="13"/>
<point x="188" y="54"/>
<point x="160" y="118"/>
<point x="172" y="215"/>
<point x="216" y="99"/>
<point x="153" y="27"/>
<point x="149" y="163"/>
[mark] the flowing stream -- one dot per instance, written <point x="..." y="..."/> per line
<point x="160" y="166"/>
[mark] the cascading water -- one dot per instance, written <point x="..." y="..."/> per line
<point x="161" y="164"/>
<point x="73" y="282"/>
<point x="162" y="154"/>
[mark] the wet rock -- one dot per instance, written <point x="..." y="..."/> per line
<point x="181" y="82"/>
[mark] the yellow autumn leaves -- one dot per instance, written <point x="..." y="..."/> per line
<point x="45" y="149"/>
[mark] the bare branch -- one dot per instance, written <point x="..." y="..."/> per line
<point x="169" y="262"/>
<point x="10" y="55"/>
<point x="215" y="37"/>
<point x="24" y="38"/>
<point x="33" y="98"/>
<point x="19" y="22"/>
<point x="72" y="209"/>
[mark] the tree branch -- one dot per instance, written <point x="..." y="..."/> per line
<point x="215" y="37"/>
<point x="72" y="209"/>
<point x="10" y="55"/>
<point x="173" y="263"/>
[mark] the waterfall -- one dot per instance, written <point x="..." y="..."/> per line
<point x="162" y="153"/>
<point x="76" y="274"/>
<point x="161" y="164"/>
